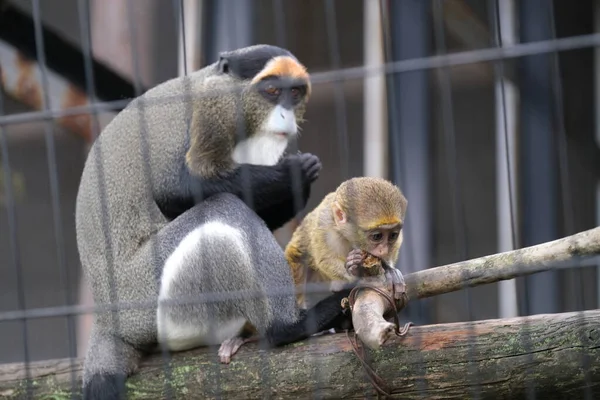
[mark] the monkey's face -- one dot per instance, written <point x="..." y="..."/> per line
<point x="367" y="232"/>
<point x="369" y="212"/>
<point x="381" y="241"/>
<point x="274" y="104"/>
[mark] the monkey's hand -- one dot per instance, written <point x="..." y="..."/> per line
<point x="354" y="262"/>
<point x="302" y="170"/>
<point x="308" y="164"/>
<point x="394" y="277"/>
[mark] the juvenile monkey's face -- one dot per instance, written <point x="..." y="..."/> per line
<point x="378" y="234"/>
<point x="382" y="241"/>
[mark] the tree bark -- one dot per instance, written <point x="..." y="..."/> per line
<point x="553" y="354"/>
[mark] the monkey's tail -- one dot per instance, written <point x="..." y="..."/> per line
<point x="108" y="362"/>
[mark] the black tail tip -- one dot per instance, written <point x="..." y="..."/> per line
<point x="105" y="387"/>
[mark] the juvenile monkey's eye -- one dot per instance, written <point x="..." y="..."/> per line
<point x="393" y="236"/>
<point x="376" y="237"/>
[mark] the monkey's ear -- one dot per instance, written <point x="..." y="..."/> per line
<point x="223" y="65"/>
<point x="338" y="214"/>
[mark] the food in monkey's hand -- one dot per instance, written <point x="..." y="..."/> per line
<point x="360" y="264"/>
<point x="371" y="311"/>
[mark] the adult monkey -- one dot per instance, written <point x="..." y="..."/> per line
<point x="152" y="232"/>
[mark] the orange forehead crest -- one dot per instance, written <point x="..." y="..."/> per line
<point x="384" y="221"/>
<point x="284" y="66"/>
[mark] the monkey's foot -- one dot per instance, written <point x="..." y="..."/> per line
<point x="230" y="347"/>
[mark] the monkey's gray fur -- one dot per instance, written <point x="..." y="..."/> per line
<point x="124" y="239"/>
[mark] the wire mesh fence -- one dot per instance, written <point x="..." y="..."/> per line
<point x="488" y="128"/>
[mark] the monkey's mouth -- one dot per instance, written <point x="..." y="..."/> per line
<point x="283" y="135"/>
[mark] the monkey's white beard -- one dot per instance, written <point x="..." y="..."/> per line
<point x="261" y="149"/>
<point x="267" y="146"/>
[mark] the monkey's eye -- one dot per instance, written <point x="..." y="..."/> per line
<point x="393" y="236"/>
<point x="272" y="90"/>
<point x="376" y="237"/>
<point x="295" y="92"/>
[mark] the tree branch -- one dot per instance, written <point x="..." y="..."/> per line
<point x="502" y="266"/>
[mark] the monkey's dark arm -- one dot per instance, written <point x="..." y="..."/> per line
<point x="268" y="190"/>
<point x="288" y="206"/>
<point x="325" y="315"/>
<point x="274" y="193"/>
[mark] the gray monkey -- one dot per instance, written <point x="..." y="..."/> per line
<point x="162" y="212"/>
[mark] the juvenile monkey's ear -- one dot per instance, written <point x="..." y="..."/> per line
<point x="338" y="214"/>
<point x="223" y="65"/>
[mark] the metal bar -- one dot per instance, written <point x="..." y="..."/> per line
<point x="14" y="243"/>
<point x="567" y="198"/>
<point x="408" y="101"/>
<point x="410" y="138"/>
<point x="227" y="26"/>
<point x="408" y="65"/>
<point x="538" y="152"/>
<point x="190" y="36"/>
<point x="338" y="90"/>
<point x="454" y="176"/>
<point x="507" y="97"/>
<point x="597" y="133"/>
<point x="54" y="185"/>
<point x="376" y="138"/>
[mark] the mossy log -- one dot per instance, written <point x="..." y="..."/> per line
<point x="553" y="354"/>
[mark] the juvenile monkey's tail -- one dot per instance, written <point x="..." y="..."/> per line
<point x="108" y="362"/>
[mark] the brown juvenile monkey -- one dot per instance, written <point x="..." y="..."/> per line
<point x="363" y="215"/>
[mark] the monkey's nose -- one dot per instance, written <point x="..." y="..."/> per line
<point x="380" y="252"/>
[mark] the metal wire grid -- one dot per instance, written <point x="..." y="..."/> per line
<point x="441" y="61"/>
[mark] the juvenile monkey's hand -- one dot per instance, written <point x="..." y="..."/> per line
<point x="354" y="261"/>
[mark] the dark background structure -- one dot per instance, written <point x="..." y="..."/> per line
<point x="442" y="132"/>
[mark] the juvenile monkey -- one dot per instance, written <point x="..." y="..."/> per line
<point x="162" y="214"/>
<point x="363" y="215"/>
